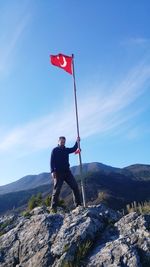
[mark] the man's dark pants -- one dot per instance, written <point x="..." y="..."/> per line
<point x="58" y="182"/>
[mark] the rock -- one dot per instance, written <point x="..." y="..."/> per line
<point x="134" y="228"/>
<point x="130" y="245"/>
<point x="39" y="210"/>
<point x="7" y="223"/>
<point x="115" y="254"/>
<point x="28" y="244"/>
<point x="79" y="226"/>
<point x="92" y="236"/>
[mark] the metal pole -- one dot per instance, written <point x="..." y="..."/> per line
<point x="78" y="135"/>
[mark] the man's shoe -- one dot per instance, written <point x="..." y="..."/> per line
<point x="78" y="205"/>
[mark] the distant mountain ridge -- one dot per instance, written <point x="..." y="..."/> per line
<point x="26" y="183"/>
<point x="140" y="171"/>
<point x="114" y="186"/>
<point x="136" y="172"/>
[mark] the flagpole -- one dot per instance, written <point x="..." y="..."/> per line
<point x="78" y="135"/>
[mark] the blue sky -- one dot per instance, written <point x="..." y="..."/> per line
<point x="111" y="44"/>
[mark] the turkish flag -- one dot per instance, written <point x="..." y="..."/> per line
<point x="62" y="61"/>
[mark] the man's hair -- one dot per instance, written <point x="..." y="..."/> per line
<point x="62" y="137"/>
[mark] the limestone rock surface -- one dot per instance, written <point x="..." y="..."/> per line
<point x="92" y="236"/>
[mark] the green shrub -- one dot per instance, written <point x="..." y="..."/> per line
<point x="26" y="214"/>
<point x="103" y="196"/>
<point x="32" y="203"/>
<point x="83" y="249"/>
<point x="47" y="201"/>
<point x="35" y="201"/>
<point x="39" y="199"/>
<point x="142" y="208"/>
<point x="80" y="254"/>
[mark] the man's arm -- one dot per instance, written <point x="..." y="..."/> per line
<point x="74" y="148"/>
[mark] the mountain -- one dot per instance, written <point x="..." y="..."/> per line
<point x="26" y="183"/>
<point x="18" y="200"/>
<point x="94" y="167"/>
<point x="135" y="172"/>
<point x="140" y="172"/>
<point x="32" y="181"/>
<point x="87" y="237"/>
<point x="114" y="186"/>
<point x="115" y="189"/>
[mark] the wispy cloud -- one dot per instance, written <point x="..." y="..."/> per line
<point x="136" y="41"/>
<point x="133" y="133"/>
<point x="98" y="113"/>
<point x="13" y="33"/>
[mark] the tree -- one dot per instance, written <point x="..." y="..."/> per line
<point x="47" y="201"/>
<point x="39" y="199"/>
<point x="32" y="203"/>
<point x="35" y="201"/>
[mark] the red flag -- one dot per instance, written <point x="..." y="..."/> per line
<point x="62" y="61"/>
<point x="78" y="151"/>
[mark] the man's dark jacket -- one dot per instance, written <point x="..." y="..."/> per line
<point x="59" y="161"/>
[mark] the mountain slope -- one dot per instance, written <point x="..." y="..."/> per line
<point x="139" y="171"/>
<point x="135" y="172"/>
<point x="114" y="189"/>
<point x="26" y="183"/>
<point x="32" y="181"/>
<point x="19" y="199"/>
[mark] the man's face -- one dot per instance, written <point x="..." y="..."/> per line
<point x="61" y="142"/>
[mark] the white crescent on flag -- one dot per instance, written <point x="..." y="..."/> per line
<point x="64" y="64"/>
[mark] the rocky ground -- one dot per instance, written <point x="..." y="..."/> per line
<point x="94" y="236"/>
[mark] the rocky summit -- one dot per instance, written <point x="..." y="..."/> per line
<point x="92" y="236"/>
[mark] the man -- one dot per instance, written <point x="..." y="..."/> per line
<point x="60" y="171"/>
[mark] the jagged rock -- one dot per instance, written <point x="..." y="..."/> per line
<point x="28" y="244"/>
<point x="115" y="254"/>
<point x="57" y="240"/>
<point x="134" y="228"/>
<point x="8" y="222"/>
<point x="78" y="227"/>
<point x="130" y="245"/>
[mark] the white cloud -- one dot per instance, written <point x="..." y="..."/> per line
<point x="13" y="30"/>
<point x="98" y="113"/>
<point x="133" y="133"/>
<point x="136" y="41"/>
